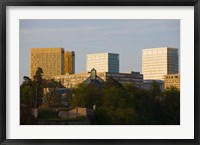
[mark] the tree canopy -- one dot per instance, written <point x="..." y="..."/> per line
<point x="127" y="104"/>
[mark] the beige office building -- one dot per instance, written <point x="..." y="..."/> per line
<point x="72" y="80"/>
<point x="103" y="62"/>
<point x="53" y="61"/>
<point x="172" y="80"/>
<point x="157" y="62"/>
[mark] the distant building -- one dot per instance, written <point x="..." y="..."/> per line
<point x="94" y="79"/>
<point x="64" y="95"/>
<point x="72" y="80"/>
<point x="103" y="62"/>
<point x="157" y="62"/>
<point x="172" y="80"/>
<point x="148" y="83"/>
<point x="124" y="78"/>
<point x="69" y="62"/>
<point x="53" y="61"/>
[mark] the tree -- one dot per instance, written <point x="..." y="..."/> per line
<point x="155" y="88"/>
<point x="26" y="93"/>
<point x="101" y="117"/>
<point x="117" y="104"/>
<point x="113" y="82"/>
<point x="26" y="102"/>
<point x="171" y="106"/>
<point x="51" y="95"/>
<point x="86" y="96"/>
<point x="38" y="86"/>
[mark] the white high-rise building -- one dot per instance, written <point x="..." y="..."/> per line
<point x="157" y="62"/>
<point x="103" y="62"/>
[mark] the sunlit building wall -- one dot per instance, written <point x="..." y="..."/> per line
<point x="69" y="62"/>
<point x="53" y="61"/>
<point x="72" y="80"/>
<point x="157" y="62"/>
<point x="172" y="80"/>
<point x="103" y="62"/>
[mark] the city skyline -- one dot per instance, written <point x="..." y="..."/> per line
<point x="125" y="37"/>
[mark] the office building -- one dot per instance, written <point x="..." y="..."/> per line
<point x="69" y="62"/>
<point x="52" y="61"/>
<point x="124" y="78"/>
<point x="172" y="80"/>
<point x="157" y="62"/>
<point x="147" y="84"/>
<point x="103" y="62"/>
<point x="72" y="80"/>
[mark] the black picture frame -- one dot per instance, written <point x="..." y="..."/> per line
<point x="5" y="3"/>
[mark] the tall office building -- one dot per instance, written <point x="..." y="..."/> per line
<point x="157" y="62"/>
<point x="103" y="62"/>
<point x="69" y="62"/>
<point x="51" y="60"/>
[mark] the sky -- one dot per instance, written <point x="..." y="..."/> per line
<point x="127" y="37"/>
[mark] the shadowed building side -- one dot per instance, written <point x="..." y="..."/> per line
<point x="69" y="62"/>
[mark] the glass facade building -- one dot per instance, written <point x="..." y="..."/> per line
<point x="157" y="62"/>
<point x="69" y="62"/>
<point x="53" y="61"/>
<point x="103" y="62"/>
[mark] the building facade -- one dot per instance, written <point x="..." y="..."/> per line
<point x="72" y="80"/>
<point x="172" y="80"/>
<point x="147" y="84"/>
<point x="103" y="62"/>
<point x="51" y="60"/>
<point x="157" y="62"/>
<point x="69" y="62"/>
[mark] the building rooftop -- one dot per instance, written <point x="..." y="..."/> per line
<point x="159" y="48"/>
<point x="102" y="53"/>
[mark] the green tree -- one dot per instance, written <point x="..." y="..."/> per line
<point x="26" y="92"/>
<point x="127" y="104"/>
<point x="86" y="96"/>
<point x="171" y="106"/>
<point x="51" y="95"/>
<point x="101" y="117"/>
<point x="113" y="82"/>
<point x="155" y="89"/>
<point x="38" y="86"/>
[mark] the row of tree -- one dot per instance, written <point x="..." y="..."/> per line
<point x="115" y="103"/>
<point x="127" y="104"/>
<point x="34" y="91"/>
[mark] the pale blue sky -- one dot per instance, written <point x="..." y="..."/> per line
<point x="124" y="36"/>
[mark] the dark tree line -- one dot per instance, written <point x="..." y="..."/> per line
<point x="32" y="95"/>
<point x="127" y="104"/>
<point x="32" y="90"/>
